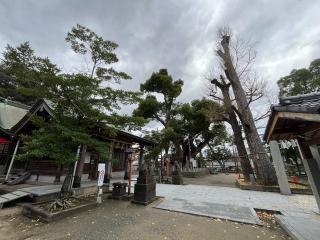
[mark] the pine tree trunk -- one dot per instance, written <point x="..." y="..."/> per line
<point x="242" y="152"/>
<point x="80" y="166"/>
<point x="265" y="172"/>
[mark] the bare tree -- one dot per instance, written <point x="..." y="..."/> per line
<point x="231" y="118"/>
<point x="233" y="70"/>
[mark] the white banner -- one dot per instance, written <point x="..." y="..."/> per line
<point x="101" y="170"/>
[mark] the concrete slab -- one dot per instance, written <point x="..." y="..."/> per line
<point x="20" y="193"/>
<point x="216" y="210"/>
<point x="301" y="226"/>
<point x="298" y="217"/>
<point x="3" y="200"/>
<point x="244" y="198"/>
<point x="10" y="196"/>
<point x="42" y="190"/>
<point x="49" y="189"/>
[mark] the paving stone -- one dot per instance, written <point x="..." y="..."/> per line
<point x="3" y="200"/>
<point x="234" y="196"/>
<point x="20" y="193"/>
<point x="299" y="217"/>
<point x="9" y="196"/>
<point x="216" y="210"/>
<point x="42" y="190"/>
<point x="302" y="226"/>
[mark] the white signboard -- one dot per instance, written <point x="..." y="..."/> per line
<point x="101" y="170"/>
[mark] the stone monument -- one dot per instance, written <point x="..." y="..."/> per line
<point x="145" y="188"/>
<point x="177" y="178"/>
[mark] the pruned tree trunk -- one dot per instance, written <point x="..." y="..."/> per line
<point x="242" y="152"/>
<point x="80" y="166"/>
<point x="233" y="121"/>
<point x="264" y="170"/>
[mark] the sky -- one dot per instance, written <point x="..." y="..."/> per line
<point x="179" y="35"/>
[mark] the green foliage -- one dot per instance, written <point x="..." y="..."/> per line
<point x="82" y="103"/>
<point x="193" y="125"/>
<point x="162" y="82"/>
<point x="24" y="72"/>
<point x="154" y="151"/>
<point x="217" y="153"/>
<point x="195" y="118"/>
<point x="301" y="81"/>
<point x="153" y="109"/>
<point x="59" y="142"/>
<point x="86" y="42"/>
<point x="148" y="108"/>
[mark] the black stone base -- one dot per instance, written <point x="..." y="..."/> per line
<point x="146" y="203"/>
<point x="119" y="189"/>
<point x="122" y="198"/>
<point x="144" y="193"/>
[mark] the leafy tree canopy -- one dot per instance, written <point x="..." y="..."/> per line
<point x="217" y="153"/>
<point x="81" y="101"/>
<point x="193" y="125"/>
<point x="301" y="81"/>
<point x="152" y="108"/>
<point x="23" y="71"/>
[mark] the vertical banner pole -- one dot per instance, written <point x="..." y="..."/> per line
<point x="101" y="171"/>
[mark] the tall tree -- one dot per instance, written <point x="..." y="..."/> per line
<point x="191" y="129"/>
<point x="22" y="72"/>
<point x="231" y="118"/>
<point x="160" y="110"/>
<point x="301" y="81"/>
<point x="81" y="103"/>
<point x="101" y="52"/>
<point x="264" y="169"/>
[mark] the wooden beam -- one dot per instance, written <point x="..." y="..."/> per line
<point x="300" y="116"/>
<point x="297" y="130"/>
<point x="274" y="121"/>
<point x="306" y="117"/>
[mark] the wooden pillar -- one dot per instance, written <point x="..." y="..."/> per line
<point x="141" y="157"/>
<point x="126" y="167"/>
<point x="310" y="159"/>
<point x="110" y="162"/>
<point x="12" y="159"/>
<point x="278" y="164"/>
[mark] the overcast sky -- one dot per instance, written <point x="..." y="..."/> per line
<point x="178" y="35"/>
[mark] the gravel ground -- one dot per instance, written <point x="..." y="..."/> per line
<point x="221" y="179"/>
<point x="122" y="220"/>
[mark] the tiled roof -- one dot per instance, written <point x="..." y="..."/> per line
<point x="300" y="104"/>
<point x="307" y="103"/>
<point x="11" y="112"/>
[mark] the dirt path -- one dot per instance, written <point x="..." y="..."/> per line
<point x="121" y="220"/>
<point x="221" y="179"/>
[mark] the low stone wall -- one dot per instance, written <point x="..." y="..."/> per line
<point x="33" y="211"/>
<point x="195" y="173"/>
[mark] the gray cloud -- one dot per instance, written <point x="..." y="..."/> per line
<point x="178" y="35"/>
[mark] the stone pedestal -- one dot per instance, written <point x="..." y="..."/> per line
<point x="145" y="188"/>
<point x="177" y="178"/>
<point x="177" y="175"/>
<point x="119" y="189"/>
